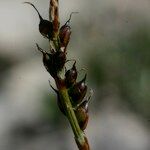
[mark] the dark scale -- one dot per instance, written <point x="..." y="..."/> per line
<point x="71" y="76"/>
<point x="53" y="62"/>
<point x="64" y="33"/>
<point x="78" y="91"/>
<point x="81" y="112"/>
<point x="45" y="26"/>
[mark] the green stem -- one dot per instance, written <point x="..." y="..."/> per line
<point x="78" y="133"/>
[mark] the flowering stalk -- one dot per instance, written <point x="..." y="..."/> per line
<point x="70" y="93"/>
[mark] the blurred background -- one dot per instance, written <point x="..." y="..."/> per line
<point x="111" y="39"/>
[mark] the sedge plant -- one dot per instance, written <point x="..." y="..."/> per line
<point x="70" y="92"/>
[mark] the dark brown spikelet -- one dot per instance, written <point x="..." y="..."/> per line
<point x="78" y="91"/>
<point x="53" y="62"/>
<point x="64" y="33"/>
<point x="45" y="26"/>
<point x="48" y="61"/>
<point x="71" y="76"/>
